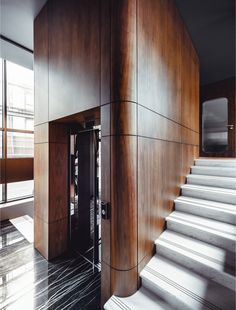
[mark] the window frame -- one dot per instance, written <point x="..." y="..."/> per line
<point x="4" y="131"/>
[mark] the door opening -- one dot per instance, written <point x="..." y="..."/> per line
<point x="85" y="189"/>
<point x="215" y="126"/>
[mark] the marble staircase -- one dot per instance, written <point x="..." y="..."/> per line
<point x="194" y="264"/>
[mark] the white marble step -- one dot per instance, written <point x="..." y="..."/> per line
<point x="142" y="299"/>
<point x="215" y="162"/>
<point x="214" y="232"/>
<point x="217" y="171"/>
<point x="211" y="209"/>
<point x="208" y="180"/>
<point x="200" y="257"/>
<point x="209" y="193"/>
<point x="183" y="289"/>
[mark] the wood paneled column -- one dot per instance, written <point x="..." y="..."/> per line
<point x="50" y="156"/>
<point x="51" y="189"/>
<point x="119" y="147"/>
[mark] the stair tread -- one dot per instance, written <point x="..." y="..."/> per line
<point x="142" y="299"/>
<point x="212" y="162"/>
<point x="210" y="188"/>
<point x="188" y="285"/>
<point x="200" y="251"/>
<point x="208" y="203"/>
<point x="213" y="177"/>
<point x="212" y="181"/>
<point x="214" y="168"/>
<point x="220" y="228"/>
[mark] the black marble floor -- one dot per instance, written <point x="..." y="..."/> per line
<point x="29" y="282"/>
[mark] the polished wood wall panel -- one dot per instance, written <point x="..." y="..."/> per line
<point x="106" y="196"/>
<point x="119" y="130"/>
<point x="159" y="57"/>
<point x="105" y="51"/>
<point x="41" y="133"/>
<point x="223" y="89"/>
<point x="159" y="180"/>
<point x="189" y="85"/>
<point x="188" y="153"/>
<point x="41" y="66"/>
<point x="41" y="181"/>
<point x="123" y="202"/>
<point x="74" y="56"/>
<point x="16" y="170"/>
<point x="123" y="50"/>
<point x="58" y="181"/>
<point x="189" y="136"/>
<point x="153" y="125"/>
<point x="168" y="117"/>
<point x="51" y="189"/>
<point x="67" y="56"/>
<point x="123" y="118"/>
<point x="41" y="236"/>
<point x="124" y="283"/>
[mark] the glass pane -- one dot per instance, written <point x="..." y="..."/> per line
<point x="20" y="97"/>
<point x="1" y="86"/>
<point x="20" y="144"/>
<point x="214" y="126"/>
<point x="20" y="189"/>
<point x="0" y="192"/>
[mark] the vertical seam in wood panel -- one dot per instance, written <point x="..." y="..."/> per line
<point x="100" y="51"/>
<point x="137" y="163"/>
<point x="48" y="34"/>
<point x="48" y="12"/>
<point x="110" y="140"/>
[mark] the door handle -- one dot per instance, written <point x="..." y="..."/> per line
<point x="231" y="127"/>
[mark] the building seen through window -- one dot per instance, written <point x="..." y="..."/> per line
<point x="16" y="124"/>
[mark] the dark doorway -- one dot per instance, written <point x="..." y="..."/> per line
<point x="218" y="120"/>
<point x="85" y="217"/>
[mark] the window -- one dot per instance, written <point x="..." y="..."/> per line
<point x="20" y="98"/>
<point x="20" y="189"/>
<point x="20" y="144"/>
<point x="16" y="124"/>
<point x="1" y="126"/>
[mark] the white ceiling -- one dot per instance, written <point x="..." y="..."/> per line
<point x="17" y="18"/>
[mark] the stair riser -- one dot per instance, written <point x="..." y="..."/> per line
<point x="213" y="163"/>
<point x="229" y="184"/>
<point x="208" y="195"/>
<point x="194" y="232"/>
<point x="214" y="214"/>
<point x="217" y="172"/>
<point x="196" y="266"/>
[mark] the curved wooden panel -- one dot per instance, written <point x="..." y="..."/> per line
<point x="123" y="50"/>
<point x="123" y="202"/>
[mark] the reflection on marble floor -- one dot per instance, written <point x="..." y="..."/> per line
<point x="28" y="281"/>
